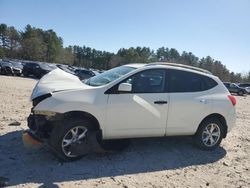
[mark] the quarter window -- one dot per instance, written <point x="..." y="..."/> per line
<point x="183" y="81"/>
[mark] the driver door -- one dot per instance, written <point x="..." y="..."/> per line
<point x="141" y="112"/>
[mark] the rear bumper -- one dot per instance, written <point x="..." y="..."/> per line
<point x="231" y="119"/>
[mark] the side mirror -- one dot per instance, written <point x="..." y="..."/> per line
<point x="125" y="87"/>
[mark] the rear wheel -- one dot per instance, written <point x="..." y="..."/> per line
<point x="209" y="134"/>
<point x="70" y="139"/>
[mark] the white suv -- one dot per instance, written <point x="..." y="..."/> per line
<point x="130" y="101"/>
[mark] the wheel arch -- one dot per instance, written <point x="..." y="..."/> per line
<point x="83" y="115"/>
<point x="220" y="117"/>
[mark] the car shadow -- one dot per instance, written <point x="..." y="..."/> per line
<point x="21" y="165"/>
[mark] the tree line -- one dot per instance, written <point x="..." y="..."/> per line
<point x="44" y="45"/>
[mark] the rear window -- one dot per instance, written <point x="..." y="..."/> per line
<point x="183" y="81"/>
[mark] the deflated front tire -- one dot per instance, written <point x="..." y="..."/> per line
<point x="70" y="139"/>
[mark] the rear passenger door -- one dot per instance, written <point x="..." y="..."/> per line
<point x="189" y="102"/>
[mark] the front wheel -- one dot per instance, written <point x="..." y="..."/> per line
<point x="69" y="139"/>
<point x="209" y="134"/>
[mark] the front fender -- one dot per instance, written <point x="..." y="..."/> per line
<point x="92" y="104"/>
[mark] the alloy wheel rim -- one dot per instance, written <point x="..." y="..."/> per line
<point x="74" y="136"/>
<point x="211" y="134"/>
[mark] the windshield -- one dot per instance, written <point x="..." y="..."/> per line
<point x="3" y="63"/>
<point x="108" y="76"/>
<point x="17" y="65"/>
<point x="46" y="66"/>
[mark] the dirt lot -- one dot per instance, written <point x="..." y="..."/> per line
<point x="164" y="162"/>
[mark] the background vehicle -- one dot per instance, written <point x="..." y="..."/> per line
<point x="36" y="69"/>
<point x="11" y="68"/>
<point x="66" y="68"/>
<point x="244" y="85"/>
<point x="85" y="73"/>
<point x="234" y="88"/>
<point x="6" y="68"/>
<point x="247" y="89"/>
<point x="130" y="101"/>
<point x="17" y="68"/>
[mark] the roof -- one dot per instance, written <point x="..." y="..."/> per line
<point x="181" y="66"/>
<point x="139" y="65"/>
<point x="136" y="65"/>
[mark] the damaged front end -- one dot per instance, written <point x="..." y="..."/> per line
<point x="40" y="124"/>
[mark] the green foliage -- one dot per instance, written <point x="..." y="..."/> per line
<point x="44" y="45"/>
<point x="41" y="45"/>
<point x="2" y="53"/>
<point x="134" y="55"/>
<point x="91" y="58"/>
<point x="3" y="35"/>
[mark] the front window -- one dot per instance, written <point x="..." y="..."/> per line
<point x="108" y="76"/>
<point x="149" y="81"/>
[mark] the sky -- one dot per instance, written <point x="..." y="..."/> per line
<point x="218" y="28"/>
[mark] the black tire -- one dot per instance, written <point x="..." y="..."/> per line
<point x="61" y="129"/>
<point x="240" y="93"/>
<point x="199" y="137"/>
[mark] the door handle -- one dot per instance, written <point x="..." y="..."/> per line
<point x="161" y="102"/>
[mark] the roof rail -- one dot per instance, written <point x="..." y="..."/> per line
<point x="180" y="65"/>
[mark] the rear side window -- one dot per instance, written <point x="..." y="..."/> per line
<point x="208" y="82"/>
<point x="183" y="81"/>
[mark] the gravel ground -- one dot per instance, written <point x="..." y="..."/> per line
<point x="154" y="162"/>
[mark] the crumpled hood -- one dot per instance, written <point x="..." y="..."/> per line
<point x="57" y="80"/>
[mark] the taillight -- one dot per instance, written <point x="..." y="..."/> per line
<point x="232" y="99"/>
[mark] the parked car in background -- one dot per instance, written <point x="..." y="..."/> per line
<point x="37" y="69"/>
<point x="244" y="85"/>
<point x="85" y="73"/>
<point x="247" y="89"/>
<point x="234" y="88"/>
<point x="130" y="101"/>
<point x="11" y="68"/>
<point x="17" y="68"/>
<point x="6" y="68"/>
<point x="66" y="68"/>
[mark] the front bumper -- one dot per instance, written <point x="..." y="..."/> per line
<point x="30" y="140"/>
<point x="17" y="71"/>
<point x="39" y="125"/>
